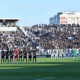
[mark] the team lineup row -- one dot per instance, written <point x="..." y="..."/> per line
<point x="18" y="56"/>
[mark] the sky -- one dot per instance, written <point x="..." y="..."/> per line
<point x="31" y="12"/>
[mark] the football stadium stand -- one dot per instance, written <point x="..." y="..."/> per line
<point x="17" y="42"/>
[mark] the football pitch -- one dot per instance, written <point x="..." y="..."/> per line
<point x="44" y="69"/>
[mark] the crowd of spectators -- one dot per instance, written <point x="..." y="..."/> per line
<point x="57" y="37"/>
<point x="47" y="37"/>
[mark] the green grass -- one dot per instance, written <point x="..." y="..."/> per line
<point x="44" y="69"/>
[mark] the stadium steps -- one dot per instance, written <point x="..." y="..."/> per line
<point x="20" y="32"/>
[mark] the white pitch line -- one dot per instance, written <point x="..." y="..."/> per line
<point x="46" y="78"/>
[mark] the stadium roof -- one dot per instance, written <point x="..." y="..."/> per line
<point x="9" y="19"/>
